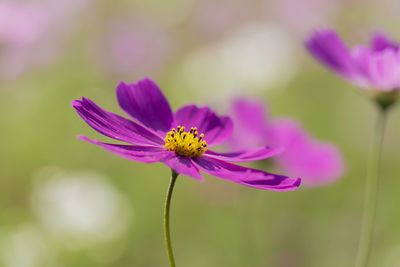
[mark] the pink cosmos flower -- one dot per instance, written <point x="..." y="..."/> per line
<point x="180" y="140"/>
<point x="32" y="32"/>
<point x="318" y="163"/>
<point x="135" y="47"/>
<point x="302" y="16"/>
<point x="373" y="67"/>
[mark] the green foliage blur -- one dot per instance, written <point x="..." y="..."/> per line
<point x="64" y="202"/>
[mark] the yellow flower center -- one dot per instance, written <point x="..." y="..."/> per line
<point x="189" y="144"/>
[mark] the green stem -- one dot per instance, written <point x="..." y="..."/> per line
<point x="371" y="191"/>
<point x="167" y="234"/>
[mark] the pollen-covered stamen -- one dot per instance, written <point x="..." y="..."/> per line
<point x="189" y="144"/>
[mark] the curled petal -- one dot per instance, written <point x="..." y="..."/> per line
<point x="146" y="104"/>
<point x="113" y="125"/>
<point x="246" y="176"/>
<point x="216" y="129"/>
<point x="245" y="155"/>
<point x="146" y="154"/>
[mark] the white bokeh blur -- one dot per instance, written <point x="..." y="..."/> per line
<point x="256" y="57"/>
<point x="81" y="208"/>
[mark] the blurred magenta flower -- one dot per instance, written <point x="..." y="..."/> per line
<point x="31" y="33"/>
<point x="135" y="47"/>
<point x="318" y="163"/>
<point x="217" y="17"/>
<point x="22" y="26"/>
<point x="302" y="16"/>
<point x="158" y="135"/>
<point x="373" y="67"/>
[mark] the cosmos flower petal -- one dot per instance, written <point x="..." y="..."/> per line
<point x="381" y="41"/>
<point x="375" y="67"/>
<point x="176" y="155"/>
<point x="243" y="109"/>
<point x="318" y="163"/>
<point x="146" y="104"/>
<point x="380" y="69"/>
<point x="183" y="165"/>
<point x="113" y="125"/>
<point x="247" y="132"/>
<point x="361" y="56"/>
<point x="327" y="47"/>
<point x="216" y="129"/>
<point x="384" y="70"/>
<point x="246" y="176"/>
<point x="146" y="154"/>
<point x="246" y="154"/>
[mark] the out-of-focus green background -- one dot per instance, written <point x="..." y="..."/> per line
<point x="64" y="202"/>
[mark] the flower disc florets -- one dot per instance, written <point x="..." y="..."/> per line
<point x="189" y="144"/>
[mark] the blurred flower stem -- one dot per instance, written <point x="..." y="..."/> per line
<point x="371" y="190"/>
<point x="174" y="175"/>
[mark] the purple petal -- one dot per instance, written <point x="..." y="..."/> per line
<point x="384" y="70"/>
<point x="361" y="56"/>
<point x="146" y="104"/>
<point x="243" y="109"/>
<point x="183" y="165"/>
<point x="249" y="132"/>
<point x="327" y="47"/>
<point x="318" y="163"/>
<point x="246" y="176"/>
<point x="113" y="125"/>
<point x="381" y="41"/>
<point x="216" y="129"/>
<point x="381" y="69"/>
<point x="146" y="154"/>
<point x="245" y="155"/>
<point x="285" y="132"/>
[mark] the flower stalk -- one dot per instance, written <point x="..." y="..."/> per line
<point x="174" y="176"/>
<point x="371" y="190"/>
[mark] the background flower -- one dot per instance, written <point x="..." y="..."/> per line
<point x="374" y="67"/>
<point x="31" y="33"/>
<point x="135" y="47"/>
<point x="318" y="163"/>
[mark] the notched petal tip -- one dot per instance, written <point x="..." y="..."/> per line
<point x="76" y="103"/>
<point x="147" y="80"/>
<point x="246" y="176"/>
<point x="84" y="138"/>
<point x="296" y="184"/>
<point x="122" y="85"/>
<point x="113" y="125"/>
